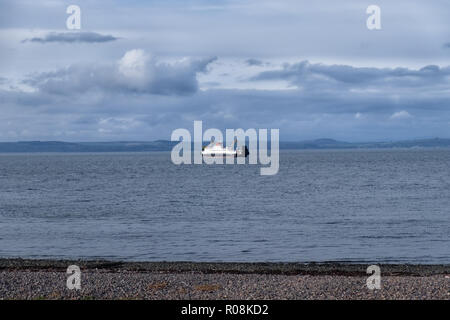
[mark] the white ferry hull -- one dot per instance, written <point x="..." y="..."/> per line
<point x="219" y="151"/>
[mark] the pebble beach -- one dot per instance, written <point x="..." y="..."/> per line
<point x="46" y="279"/>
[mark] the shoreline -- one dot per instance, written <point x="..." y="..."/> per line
<point x="111" y="280"/>
<point x="281" y="268"/>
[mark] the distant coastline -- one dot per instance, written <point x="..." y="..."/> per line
<point x="165" y="145"/>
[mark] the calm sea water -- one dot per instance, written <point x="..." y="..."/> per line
<point x="360" y="206"/>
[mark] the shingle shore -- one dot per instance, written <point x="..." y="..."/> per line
<point x="46" y="279"/>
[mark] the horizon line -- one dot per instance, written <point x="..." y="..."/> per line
<point x="288" y="141"/>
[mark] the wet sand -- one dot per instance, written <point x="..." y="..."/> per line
<point x="46" y="279"/>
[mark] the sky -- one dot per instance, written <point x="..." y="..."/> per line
<point x="137" y="70"/>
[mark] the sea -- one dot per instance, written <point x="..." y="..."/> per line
<point x="357" y="206"/>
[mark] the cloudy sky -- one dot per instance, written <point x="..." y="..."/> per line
<point x="137" y="70"/>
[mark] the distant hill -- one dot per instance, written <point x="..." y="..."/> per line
<point x="164" y="145"/>
<point x="316" y="144"/>
<point x="57" y="146"/>
<point x="333" y="144"/>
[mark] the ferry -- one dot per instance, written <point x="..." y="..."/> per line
<point x="216" y="149"/>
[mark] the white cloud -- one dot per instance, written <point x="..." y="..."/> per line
<point x="133" y="64"/>
<point x="400" y="115"/>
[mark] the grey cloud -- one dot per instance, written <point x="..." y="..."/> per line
<point x="152" y="78"/>
<point x="76" y="99"/>
<point x="321" y="75"/>
<point x="447" y="45"/>
<point x="72" y="37"/>
<point x="254" y="62"/>
<point x="179" y="78"/>
<point x="299" y="115"/>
